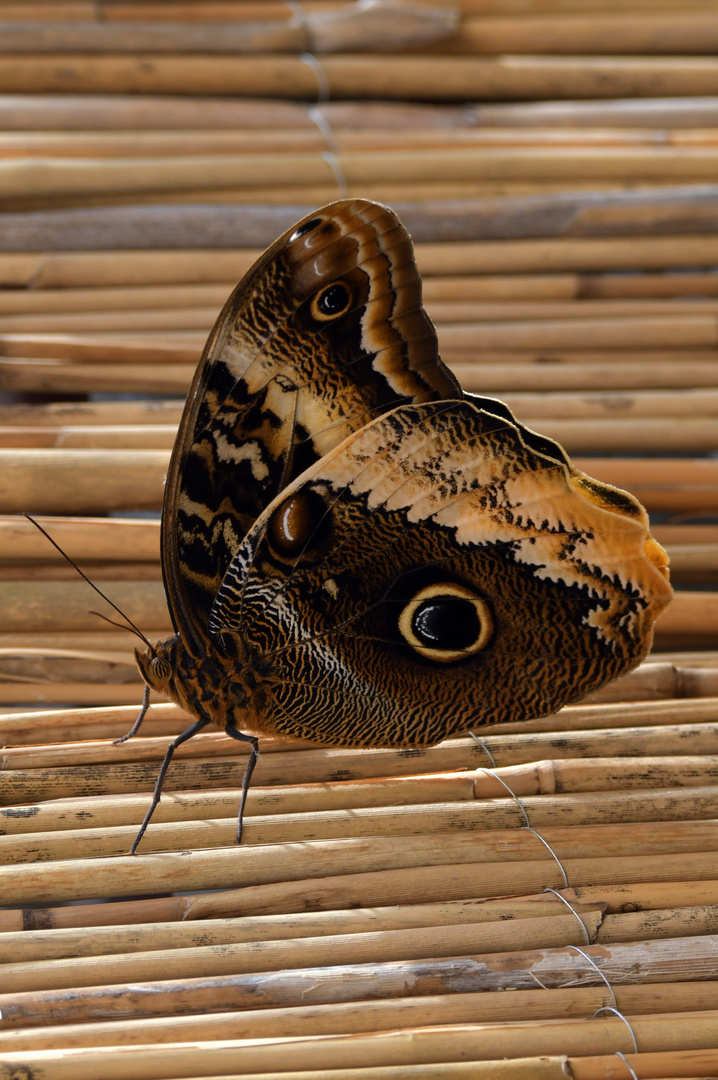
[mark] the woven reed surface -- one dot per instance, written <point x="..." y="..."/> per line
<point x="543" y="904"/>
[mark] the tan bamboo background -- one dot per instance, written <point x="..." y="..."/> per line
<point x="540" y="904"/>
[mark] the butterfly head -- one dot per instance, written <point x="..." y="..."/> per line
<point x="159" y="665"/>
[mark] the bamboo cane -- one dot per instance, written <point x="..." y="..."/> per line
<point x="132" y="540"/>
<point x="335" y="950"/>
<point x="622" y="371"/>
<point x="587" y="730"/>
<point x="46" y="301"/>
<point x="431" y="1043"/>
<point x="280" y="195"/>
<point x="432" y="78"/>
<point x="86" y="348"/>
<point x="28" y="178"/>
<point x="349" y="28"/>
<point x="276" y="864"/>
<point x="53" y="377"/>
<point x="47" y="693"/>
<point x="681" y="1063"/>
<point x="49" y="605"/>
<point x="200" y="319"/>
<point x="543" y="1068"/>
<point x="566" y="405"/>
<point x="319" y="765"/>
<point x="79" y="481"/>
<point x="57" y="944"/>
<point x="615" y="33"/>
<point x="203" y="266"/>
<point x="685" y="209"/>
<point x="637" y="837"/>
<point x="108" y="437"/>
<point x="575" y="806"/>
<point x="676" y="922"/>
<point x="20" y="112"/>
<point x="643" y="435"/>
<point x="97" y="413"/>
<point x="386" y="1014"/>
<point x="669" y="434"/>
<point x="116" y="112"/>
<point x="140" y="144"/>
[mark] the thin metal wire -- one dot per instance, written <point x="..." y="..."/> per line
<point x="331" y="155"/>
<point x="619" y="1014"/>
<point x="634" y="1075"/>
<point x="315" y="113"/>
<point x="517" y="800"/>
<point x="571" y="908"/>
<point x="593" y="964"/>
<point x="300" y="15"/>
<point x="333" y="161"/>
<point x="605" y="1008"/>
<point x="323" y="91"/>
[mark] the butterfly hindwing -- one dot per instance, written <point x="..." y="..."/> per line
<point x="442" y="567"/>
<point x="323" y="334"/>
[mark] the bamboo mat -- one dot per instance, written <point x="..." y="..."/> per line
<point x="540" y="903"/>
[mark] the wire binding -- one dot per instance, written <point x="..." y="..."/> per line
<point x="622" y="1056"/>
<point x="300" y="15"/>
<point x="572" y="909"/>
<point x="331" y="155"/>
<point x="604" y="1008"/>
<point x="323" y="91"/>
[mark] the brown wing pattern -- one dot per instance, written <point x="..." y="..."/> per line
<point x="325" y="332"/>
<point x="443" y="523"/>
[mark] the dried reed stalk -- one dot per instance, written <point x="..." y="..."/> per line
<point x="621" y="371"/>
<point x="66" y="176"/>
<point x="598" y="292"/>
<point x="373" y="1015"/>
<point x="344" y="28"/>
<point x="57" y="944"/>
<point x="436" y="78"/>
<point x="430" y="1043"/>
<point x="203" y="266"/>
<point x="19" y="112"/>
<point x="610" y="839"/>
<point x="377" y="947"/>
<point x="603" y="33"/>
<point x="274" y="865"/>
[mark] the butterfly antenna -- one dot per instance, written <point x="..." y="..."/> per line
<point x="130" y="624"/>
<point x="120" y="626"/>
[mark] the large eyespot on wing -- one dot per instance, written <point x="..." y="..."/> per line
<point x="325" y="332"/>
<point x="426" y="502"/>
<point x="446" y="622"/>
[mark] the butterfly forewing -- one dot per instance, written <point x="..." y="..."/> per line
<point x="323" y="334"/>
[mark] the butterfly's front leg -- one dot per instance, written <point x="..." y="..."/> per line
<point x="140" y="717"/>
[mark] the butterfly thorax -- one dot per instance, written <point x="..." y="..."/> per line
<point x="223" y="687"/>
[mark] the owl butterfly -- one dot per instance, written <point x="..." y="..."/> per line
<point x="357" y="552"/>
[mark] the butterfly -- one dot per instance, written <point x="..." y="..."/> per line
<point x="357" y="552"/>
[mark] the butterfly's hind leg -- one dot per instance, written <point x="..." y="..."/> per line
<point x="156" y="794"/>
<point x="253" y="758"/>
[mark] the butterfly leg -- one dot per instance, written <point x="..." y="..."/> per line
<point x="253" y="758"/>
<point x="161" y="776"/>
<point x="136" y="726"/>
